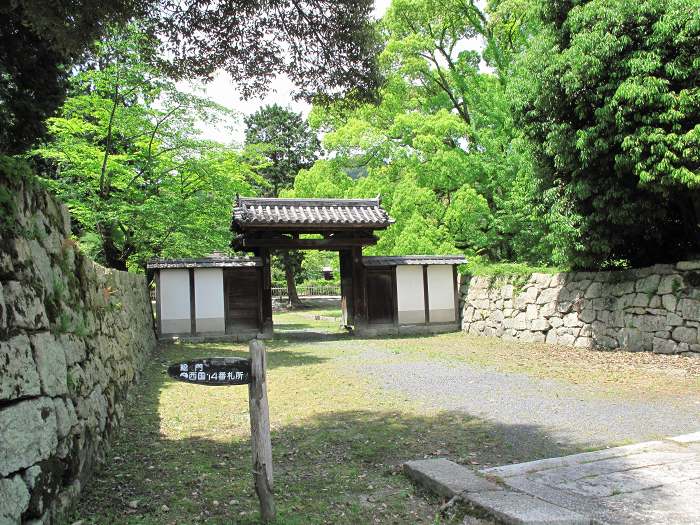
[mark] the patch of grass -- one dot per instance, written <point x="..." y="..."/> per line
<point x="338" y="439"/>
<point x="338" y="443"/>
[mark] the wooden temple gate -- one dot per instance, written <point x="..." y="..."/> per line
<point x="232" y="296"/>
<point x="343" y="225"/>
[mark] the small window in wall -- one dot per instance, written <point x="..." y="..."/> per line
<point x="441" y="293"/>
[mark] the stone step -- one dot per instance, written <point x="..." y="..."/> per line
<point x="512" y="507"/>
<point x="449" y="479"/>
<point x="446" y="478"/>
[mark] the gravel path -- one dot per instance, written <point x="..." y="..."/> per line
<point x="527" y="407"/>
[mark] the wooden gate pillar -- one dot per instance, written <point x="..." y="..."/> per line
<point x="359" y="291"/>
<point x="346" y="289"/>
<point x="266" y="292"/>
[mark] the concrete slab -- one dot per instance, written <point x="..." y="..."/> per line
<point x="516" y="508"/>
<point x="687" y="438"/>
<point x="446" y="478"/>
<point x="520" y="469"/>
<point x="654" y="482"/>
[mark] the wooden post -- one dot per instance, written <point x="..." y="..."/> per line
<point x="193" y="310"/>
<point x="266" y="292"/>
<point x="359" y="286"/>
<point x="260" y="430"/>
<point x="346" y="287"/>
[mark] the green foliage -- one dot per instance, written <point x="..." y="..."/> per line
<point x="478" y="267"/>
<point x="326" y="48"/>
<point x="440" y="146"/>
<point x="284" y="139"/>
<point x="126" y="156"/>
<point x="38" y="45"/>
<point x="608" y="94"/>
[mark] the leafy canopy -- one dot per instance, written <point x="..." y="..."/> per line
<point x="609" y="95"/>
<point x="126" y="155"/>
<point x="326" y="47"/>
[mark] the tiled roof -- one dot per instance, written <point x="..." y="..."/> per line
<point x="309" y="213"/>
<point x="204" y="262"/>
<point x="396" y="260"/>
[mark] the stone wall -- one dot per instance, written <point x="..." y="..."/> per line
<point x="73" y="337"/>
<point x="650" y="309"/>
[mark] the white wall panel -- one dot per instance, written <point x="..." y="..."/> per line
<point x="409" y="289"/>
<point x="209" y="299"/>
<point x="209" y="292"/>
<point x="175" y="294"/>
<point x="441" y="293"/>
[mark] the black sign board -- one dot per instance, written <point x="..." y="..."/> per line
<point x="213" y="371"/>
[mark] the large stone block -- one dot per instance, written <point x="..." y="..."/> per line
<point x="65" y="416"/>
<point x="51" y="362"/>
<point x="531" y="312"/>
<point x="25" y="309"/>
<point x="572" y="320"/>
<point x="29" y="434"/>
<point x="594" y="290"/>
<point x="520" y="322"/>
<point x="18" y="373"/>
<point x="637" y="340"/>
<point x="548" y="295"/>
<point x="532" y="337"/>
<point x="684" y="334"/>
<point x="446" y="478"/>
<point x="688" y="265"/>
<point x="648" y="285"/>
<point x="587" y="315"/>
<point x="689" y="309"/>
<point x="623" y="288"/>
<point x="14" y="500"/>
<point x="565" y="339"/>
<point x="539" y="325"/>
<point x="556" y="322"/>
<point x="670" y="284"/>
<point x="664" y="346"/>
<point x="669" y="302"/>
<point x="3" y="310"/>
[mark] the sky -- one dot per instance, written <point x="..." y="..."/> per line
<point x="223" y="91"/>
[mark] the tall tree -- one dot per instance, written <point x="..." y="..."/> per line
<point x="323" y="46"/>
<point x="440" y="145"/>
<point x="126" y="155"/>
<point x="608" y="94"/>
<point x="284" y="138"/>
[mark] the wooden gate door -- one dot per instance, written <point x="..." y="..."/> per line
<point x="381" y="295"/>
<point x="242" y="299"/>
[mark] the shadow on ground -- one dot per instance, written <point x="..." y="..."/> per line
<point x="340" y="466"/>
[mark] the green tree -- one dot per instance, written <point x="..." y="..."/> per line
<point x="444" y="128"/>
<point x="284" y="138"/>
<point x="609" y="96"/>
<point x="126" y="156"/>
<point x="323" y="46"/>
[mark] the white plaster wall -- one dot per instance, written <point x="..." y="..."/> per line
<point x="209" y="292"/>
<point x="175" y="294"/>
<point x="209" y="299"/>
<point x="409" y="289"/>
<point x="441" y="293"/>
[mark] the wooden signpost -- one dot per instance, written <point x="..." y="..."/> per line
<point x="226" y="371"/>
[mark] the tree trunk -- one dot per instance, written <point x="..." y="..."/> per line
<point x="294" y="301"/>
<point x="113" y="256"/>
